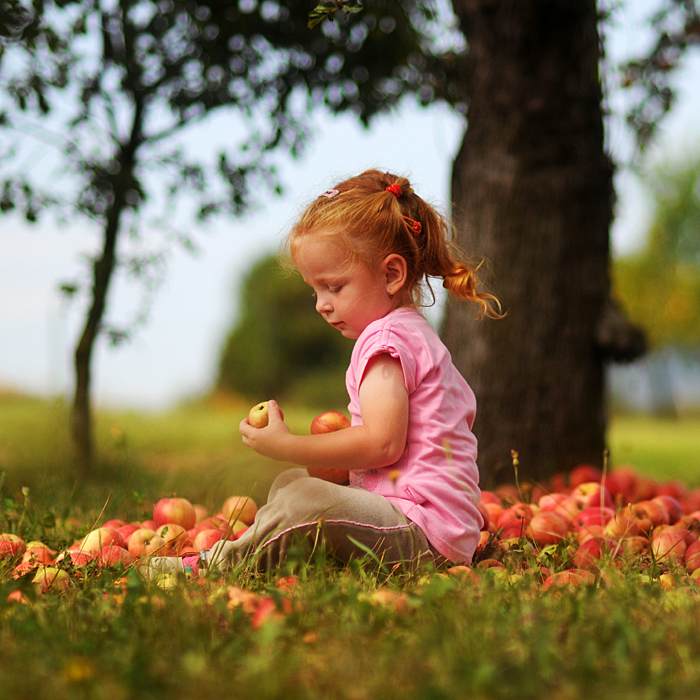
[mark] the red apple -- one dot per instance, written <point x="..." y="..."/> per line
<point x="486" y="518"/>
<point x="38" y="553"/>
<point x="111" y="555"/>
<point x="593" y="516"/>
<point x="175" y="510"/>
<point x="10" y="545"/>
<point x="126" y="531"/>
<point x="584" y="473"/>
<point x="206" y="539"/>
<point x="489" y="497"/>
<point x="114" y="524"/>
<point x="591" y="494"/>
<point x="551" y="501"/>
<point x="329" y="422"/>
<point x="241" y="508"/>
<point x="150" y="525"/>
<point x="675" y="489"/>
<point x="173" y="534"/>
<point x="672" y="506"/>
<point x="589" y="553"/>
<point x="669" y="544"/>
<point x="101" y="537"/>
<point x="621" y="525"/>
<point x="513" y="521"/>
<point x="334" y="476"/>
<point x="649" y="514"/>
<point x="144" y="542"/>
<point x="77" y="557"/>
<point x="201" y="512"/>
<point x="692" y="557"/>
<point x="569" y="578"/>
<point x="547" y="528"/>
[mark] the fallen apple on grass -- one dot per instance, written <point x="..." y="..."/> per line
<point x="144" y="542"/>
<point x="10" y="545"/>
<point x="175" y="510"/>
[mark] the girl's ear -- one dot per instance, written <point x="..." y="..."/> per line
<point x="396" y="270"/>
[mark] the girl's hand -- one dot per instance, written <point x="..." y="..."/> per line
<point x="268" y="441"/>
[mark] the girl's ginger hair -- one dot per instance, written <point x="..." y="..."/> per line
<point x="368" y="221"/>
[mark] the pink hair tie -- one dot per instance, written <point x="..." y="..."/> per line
<point x="394" y="189"/>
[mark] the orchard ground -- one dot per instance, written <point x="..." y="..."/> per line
<point x="628" y="630"/>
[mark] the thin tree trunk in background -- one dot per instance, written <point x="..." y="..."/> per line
<point x="532" y="192"/>
<point x="81" y="415"/>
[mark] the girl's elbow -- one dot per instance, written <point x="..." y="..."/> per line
<point x="391" y="452"/>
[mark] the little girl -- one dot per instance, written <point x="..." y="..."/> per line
<point x="365" y="248"/>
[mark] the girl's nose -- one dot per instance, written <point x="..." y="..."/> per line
<point x="323" y="304"/>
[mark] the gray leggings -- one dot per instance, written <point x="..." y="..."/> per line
<point x="302" y="511"/>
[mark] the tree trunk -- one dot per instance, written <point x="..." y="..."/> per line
<point x="532" y="192"/>
<point x="81" y="415"/>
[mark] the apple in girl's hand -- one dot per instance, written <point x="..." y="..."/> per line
<point x="258" y="416"/>
<point x="175" y="510"/>
<point x="329" y="422"/>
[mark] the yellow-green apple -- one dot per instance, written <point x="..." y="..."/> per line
<point x="111" y="555"/>
<point x="584" y="473"/>
<point x="206" y="539"/>
<point x="144" y="542"/>
<point x="692" y="557"/>
<point x="669" y="544"/>
<point x="173" y="534"/>
<point x="51" y="578"/>
<point x="329" y="422"/>
<point x="101" y="537"/>
<point x="241" y="508"/>
<point x="201" y="512"/>
<point x="672" y="506"/>
<point x="175" y="510"/>
<point x="547" y="528"/>
<point x="259" y="417"/>
<point x="10" y="545"/>
<point x="592" y="493"/>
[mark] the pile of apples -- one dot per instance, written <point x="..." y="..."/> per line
<point x="178" y="528"/>
<point x="619" y="516"/>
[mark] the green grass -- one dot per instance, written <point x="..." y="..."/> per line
<point x="661" y="448"/>
<point x="499" y="636"/>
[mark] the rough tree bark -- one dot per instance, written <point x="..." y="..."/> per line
<point x="532" y="192"/>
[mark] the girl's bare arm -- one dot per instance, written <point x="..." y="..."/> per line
<point x="379" y="442"/>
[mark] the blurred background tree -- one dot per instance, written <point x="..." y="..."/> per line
<point x="112" y="88"/>
<point x="660" y="285"/>
<point x="280" y="347"/>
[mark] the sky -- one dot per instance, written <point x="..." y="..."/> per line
<point x="174" y="356"/>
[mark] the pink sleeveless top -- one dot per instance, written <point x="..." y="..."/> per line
<point x="437" y="483"/>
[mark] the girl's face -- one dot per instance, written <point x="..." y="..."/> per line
<point x="349" y="296"/>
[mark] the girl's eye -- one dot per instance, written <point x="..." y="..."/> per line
<point x="334" y="290"/>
